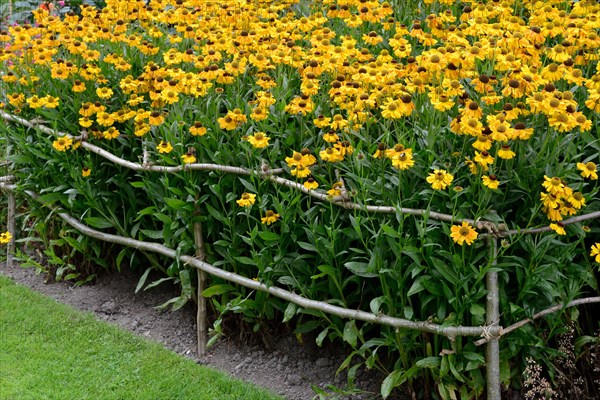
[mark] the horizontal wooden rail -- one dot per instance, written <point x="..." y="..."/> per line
<point x="448" y="331"/>
<point x="490" y="228"/>
<point x="543" y="313"/>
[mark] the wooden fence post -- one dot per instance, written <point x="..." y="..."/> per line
<point x="201" y="319"/>
<point x="10" y="227"/>
<point x="12" y="211"/>
<point x="492" y="349"/>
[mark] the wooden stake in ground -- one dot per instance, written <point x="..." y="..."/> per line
<point x="492" y="350"/>
<point x="10" y="225"/>
<point x="12" y="211"/>
<point x="201" y="319"/>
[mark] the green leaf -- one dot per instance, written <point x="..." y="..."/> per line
<point x="428" y="362"/>
<point x="142" y="280"/>
<point x="219" y="289"/>
<point x="186" y="283"/>
<point x="308" y="326"/>
<point x="307" y="246"/>
<point x="289" y="312"/>
<point x="74" y="243"/>
<point x="249" y="186"/>
<point x="98" y="222"/>
<point x="351" y="333"/>
<point x="288" y="280"/>
<point x="158" y="282"/>
<point x="388" y="230"/>
<point x="152" y="234"/>
<point x="476" y="309"/>
<point x="165" y="219"/>
<point x="505" y="372"/>
<point x="360" y="269"/>
<point x="168" y="302"/>
<point x="217" y="215"/>
<point x="413" y="253"/>
<point x="120" y="257"/>
<point x="376" y="303"/>
<point x="137" y="184"/>
<point x="417" y="286"/>
<point x="268" y="236"/>
<point x="445" y="270"/>
<point x="246" y="260"/>
<point x="325" y="270"/>
<point x="147" y="211"/>
<point x="322" y="337"/>
<point x="390" y="382"/>
<point x="472" y="356"/>
<point x="175" y="203"/>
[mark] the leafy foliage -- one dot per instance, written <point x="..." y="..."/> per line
<point x="483" y="113"/>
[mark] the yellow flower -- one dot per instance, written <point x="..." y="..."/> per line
<point x="335" y="189"/>
<point x="300" y="105"/>
<point x="588" y="170"/>
<point x="300" y="171"/>
<point x="198" y="129"/>
<point x="391" y="110"/>
<point x="595" y="251"/>
<point x="227" y="123"/>
<point x="111" y="133"/>
<point x="439" y="179"/>
<point x="259" y="113"/>
<point x="78" y="87"/>
<point x="50" y="102"/>
<point x="35" y="102"/>
<point x="104" y="92"/>
<point x="490" y="181"/>
<point x="85" y="122"/>
<point x="164" y="147"/>
<point x="259" y="140"/>
<point x="331" y="154"/>
<point x="331" y="137"/>
<point x="484" y="159"/>
<point x="16" y="99"/>
<point x="104" y="119"/>
<point x="554" y="185"/>
<point x="558" y="229"/>
<point x="380" y="152"/>
<point x="483" y="142"/>
<point x="338" y="122"/>
<point x="156" y="118"/>
<point x="577" y="200"/>
<point x="85" y="172"/>
<point x="311" y="184"/>
<point x="395" y="151"/>
<point x="505" y="152"/>
<point x="269" y="217"/>
<point x="246" y="200"/>
<point x="188" y="158"/>
<point x="296" y="160"/>
<point x="63" y="143"/>
<point x="463" y="233"/>
<point x="5" y="237"/>
<point x="403" y="160"/>
<point x="169" y="95"/>
<point x="322" y="122"/>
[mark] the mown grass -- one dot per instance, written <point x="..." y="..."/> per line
<point x="50" y="351"/>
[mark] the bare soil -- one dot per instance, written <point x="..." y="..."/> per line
<point x="288" y="368"/>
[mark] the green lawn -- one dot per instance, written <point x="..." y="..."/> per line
<point x="51" y="351"/>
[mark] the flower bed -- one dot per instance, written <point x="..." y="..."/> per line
<point x="354" y="153"/>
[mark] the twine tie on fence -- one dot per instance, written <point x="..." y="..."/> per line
<point x="486" y="332"/>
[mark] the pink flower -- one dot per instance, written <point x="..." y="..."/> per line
<point x="61" y="3"/>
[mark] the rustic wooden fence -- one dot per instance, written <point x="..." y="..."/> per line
<point x="489" y="334"/>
